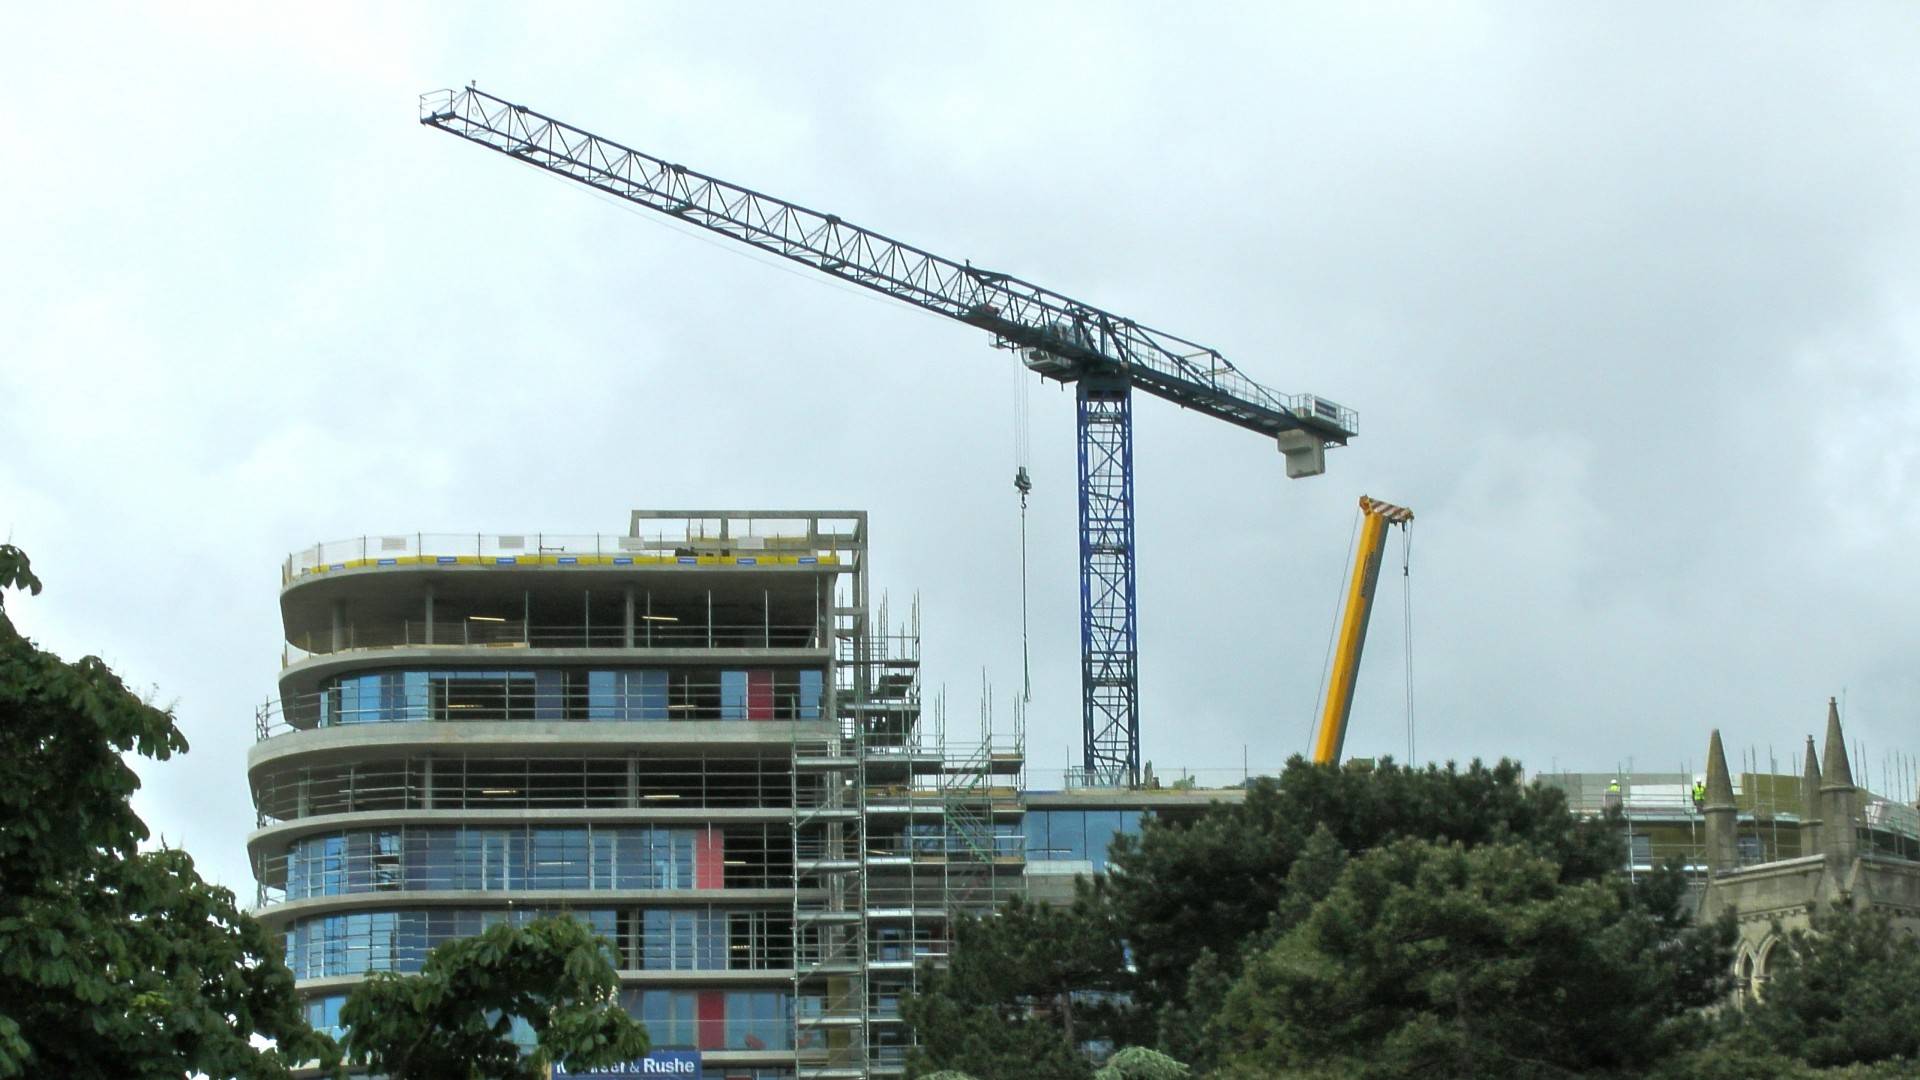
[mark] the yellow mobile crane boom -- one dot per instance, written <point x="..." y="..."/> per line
<point x="1376" y="516"/>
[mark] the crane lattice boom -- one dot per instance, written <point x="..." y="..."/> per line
<point x="1021" y="314"/>
<point x="1061" y="338"/>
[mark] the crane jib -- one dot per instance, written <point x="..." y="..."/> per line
<point x="1105" y="355"/>
<point x="1161" y="364"/>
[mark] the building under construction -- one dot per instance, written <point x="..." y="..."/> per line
<point x="702" y="737"/>
<point x="1770" y="848"/>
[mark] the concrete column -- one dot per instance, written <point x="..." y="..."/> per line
<point x="426" y="783"/>
<point x="429" y="636"/>
<point x="1723" y="851"/>
<point x="627" y="638"/>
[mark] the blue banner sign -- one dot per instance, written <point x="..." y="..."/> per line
<point x="665" y="1064"/>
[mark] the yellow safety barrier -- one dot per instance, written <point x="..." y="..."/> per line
<point x="574" y="560"/>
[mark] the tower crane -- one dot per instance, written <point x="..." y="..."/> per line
<point x="1376" y="516"/>
<point x="1105" y="355"/>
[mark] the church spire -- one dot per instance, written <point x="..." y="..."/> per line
<point x="1838" y="797"/>
<point x="1810" y="803"/>
<point x="1838" y="771"/>
<point x="1723" y="852"/>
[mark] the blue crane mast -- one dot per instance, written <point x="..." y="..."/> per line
<point x="1106" y="356"/>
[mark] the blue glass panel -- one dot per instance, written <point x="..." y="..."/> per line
<point x="604" y="696"/>
<point x="811" y="683"/>
<point x="1101" y="827"/>
<point x="1035" y="827"/>
<point x="415" y="690"/>
<point x="670" y="1016"/>
<point x="1067" y="835"/>
<point x="654" y="953"/>
<point x="559" y="859"/>
<point x="733" y="695"/>
<point x="549" y="695"/>
<point x="647" y="695"/>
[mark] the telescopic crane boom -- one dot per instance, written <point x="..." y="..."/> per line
<point x="1105" y="355"/>
<point x="1375" y="517"/>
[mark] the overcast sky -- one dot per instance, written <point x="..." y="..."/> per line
<point x="1625" y="296"/>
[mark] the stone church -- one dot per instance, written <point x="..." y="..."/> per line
<point x="1839" y="864"/>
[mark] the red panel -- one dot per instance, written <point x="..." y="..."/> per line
<point x="709" y="871"/>
<point x="759" y="695"/>
<point x="713" y="1020"/>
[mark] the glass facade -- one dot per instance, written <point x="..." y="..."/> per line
<point x="560" y="694"/>
<point x="363" y="941"/>
<point x="1078" y="834"/>
<point x="578" y="857"/>
<point x="643" y="939"/>
<point x="1000" y="839"/>
<point x="675" y="1019"/>
<point x="714" y="1019"/>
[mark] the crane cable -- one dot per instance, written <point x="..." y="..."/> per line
<point x="1022" y="410"/>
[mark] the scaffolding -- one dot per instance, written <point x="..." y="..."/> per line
<point x="1663" y="825"/>
<point x="895" y="835"/>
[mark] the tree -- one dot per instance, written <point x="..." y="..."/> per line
<point x="1215" y="884"/>
<point x="1430" y="959"/>
<point x="1140" y="1063"/>
<point x="1845" y="990"/>
<point x="1023" y="992"/>
<point x="457" y="1018"/>
<point x="113" y="961"/>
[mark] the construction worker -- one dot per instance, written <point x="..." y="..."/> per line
<point x="1699" y="792"/>
<point x="1613" y="794"/>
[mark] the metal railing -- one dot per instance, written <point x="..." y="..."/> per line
<point x="573" y="858"/>
<point x="480" y="782"/>
<point x="664" y="541"/>
<point x="702" y="938"/>
<point x="505" y="633"/>
<point x="523" y="697"/>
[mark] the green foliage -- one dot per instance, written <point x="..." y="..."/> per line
<point x="1733" y="1060"/>
<point x="1022" y="992"/>
<point x="1740" y="1057"/>
<point x="454" y="1020"/>
<point x="1432" y="959"/>
<point x="1845" y="991"/>
<point x="1140" y="1063"/>
<point x="1218" y="883"/>
<point x="114" y="962"/>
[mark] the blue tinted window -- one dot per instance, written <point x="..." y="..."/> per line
<point x="549" y="695"/>
<point x="1067" y="834"/>
<point x="572" y="858"/>
<point x="758" y="1020"/>
<point x="559" y="858"/>
<point x="627" y="695"/>
<point x="647" y="695"/>
<point x="811" y="684"/>
<point x="671" y="1016"/>
<point x="733" y="695"/>
<point x="323" y="1013"/>
<point x="1101" y="827"/>
<point x="605" y="696"/>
